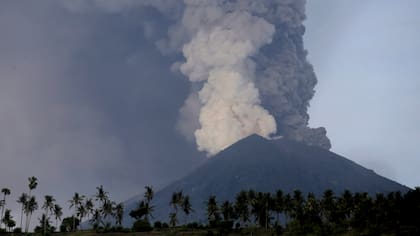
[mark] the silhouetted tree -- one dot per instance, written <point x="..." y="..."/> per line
<point x="58" y="212"/>
<point x="75" y="202"/>
<point x="241" y="206"/>
<point x="5" y="192"/>
<point x="22" y="200"/>
<point x="48" y="206"/>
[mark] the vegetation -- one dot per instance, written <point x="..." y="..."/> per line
<point x="250" y="212"/>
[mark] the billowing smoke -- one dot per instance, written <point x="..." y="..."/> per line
<point x="220" y="55"/>
<point x="251" y="58"/>
<point x="246" y="63"/>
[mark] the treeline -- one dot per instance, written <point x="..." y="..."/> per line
<point x="298" y="214"/>
<point x="278" y="213"/>
<point x="98" y="210"/>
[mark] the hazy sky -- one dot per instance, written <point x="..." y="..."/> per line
<point x="367" y="58"/>
<point x="87" y="99"/>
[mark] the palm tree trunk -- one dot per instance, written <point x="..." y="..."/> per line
<point x="28" y="223"/>
<point x="2" y="210"/>
<point x="21" y="217"/>
<point x="74" y="223"/>
<point x="27" y="212"/>
<point x="45" y="222"/>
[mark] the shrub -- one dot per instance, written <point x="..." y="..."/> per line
<point x="142" y="226"/>
<point x="157" y="225"/>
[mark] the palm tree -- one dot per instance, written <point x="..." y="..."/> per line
<point x="212" y="209"/>
<point x="279" y="204"/>
<point x="328" y="206"/>
<point x="22" y="200"/>
<point x="5" y="192"/>
<point x="172" y="219"/>
<point x="58" y="212"/>
<point x="148" y="194"/>
<point x="30" y="207"/>
<point x="107" y="209"/>
<point x="119" y="213"/>
<point x="266" y="203"/>
<point x="287" y="207"/>
<point x="33" y="183"/>
<point x="186" y="207"/>
<point x="312" y="211"/>
<point x="241" y="206"/>
<point x="297" y="205"/>
<point x="144" y="210"/>
<point x="96" y="219"/>
<point x="8" y="220"/>
<point x="89" y="207"/>
<point x="176" y="200"/>
<point x="48" y="207"/>
<point x="75" y="202"/>
<point x="101" y="195"/>
<point x="81" y="213"/>
<point x="227" y="211"/>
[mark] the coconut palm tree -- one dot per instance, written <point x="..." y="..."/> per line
<point x="58" y="212"/>
<point x="212" y="209"/>
<point x="33" y="183"/>
<point x="186" y="207"/>
<point x="96" y="219"/>
<point x="5" y="192"/>
<point x="297" y="205"/>
<point x="143" y="210"/>
<point x="241" y="206"/>
<point x="75" y="202"/>
<point x="31" y="206"/>
<point x="278" y="205"/>
<point x="172" y="219"/>
<point x="48" y="207"/>
<point x="288" y="208"/>
<point x="89" y="207"/>
<point x="107" y="209"/>
<point x="22" y="200"/>
<point x="227" y="211"/>
<point x="8" y="220"/>
<point x="148" y="194"/>
<point x="101" y="195"/>
<point x="176" y="200"/>
<point x="81" y="213"/>
<point x="119" y="213"/>
<point x="312" y="212"/>
<point x="328" y="206"/>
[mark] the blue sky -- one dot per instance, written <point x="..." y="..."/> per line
<point x="366" y="57"/>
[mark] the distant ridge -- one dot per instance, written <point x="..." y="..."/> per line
<point x="268" y="165"/>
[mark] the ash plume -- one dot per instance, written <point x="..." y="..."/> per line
<point x="251" y="56"/>
<point x="246" y="63"/>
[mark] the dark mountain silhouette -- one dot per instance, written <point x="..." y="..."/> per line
<point x="267" y="165"/>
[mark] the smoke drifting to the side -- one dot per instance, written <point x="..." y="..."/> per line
<point x="251" y="58"/>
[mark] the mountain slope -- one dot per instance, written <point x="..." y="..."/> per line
<point x="267" y="165"/>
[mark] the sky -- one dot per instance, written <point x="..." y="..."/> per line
<point x="87" y="99"/>
<point x="366" y="56"/>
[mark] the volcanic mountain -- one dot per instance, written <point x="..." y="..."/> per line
<point x="267" y="165"/>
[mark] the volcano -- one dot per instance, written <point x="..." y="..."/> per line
<point x="267" y="165"/>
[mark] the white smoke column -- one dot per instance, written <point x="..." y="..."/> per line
<point x="220" y="55"/>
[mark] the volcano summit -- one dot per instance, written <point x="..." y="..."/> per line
<point x="268" y="165"/>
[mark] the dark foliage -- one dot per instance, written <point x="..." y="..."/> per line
<point x="67" y="224"/>
<point x="142" y="226"/>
